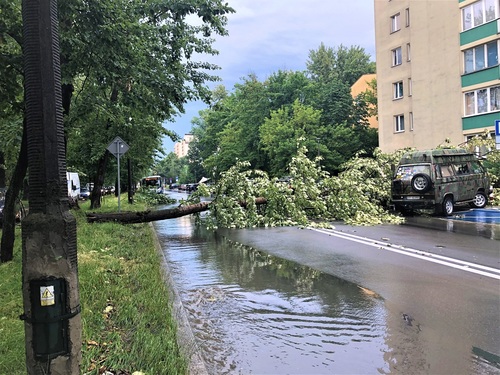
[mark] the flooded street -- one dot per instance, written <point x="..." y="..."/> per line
<point x="253" y="313"/>
<point x="256" y="313"/>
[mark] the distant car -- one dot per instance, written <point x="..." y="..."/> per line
<point x="2" y="203"/>
<point x="84" y="193"/>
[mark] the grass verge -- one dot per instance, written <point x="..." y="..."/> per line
<point x="126" y="315"/>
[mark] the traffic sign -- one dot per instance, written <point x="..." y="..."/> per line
<point x="497" y="134"/>
<point x="118" y="147"/>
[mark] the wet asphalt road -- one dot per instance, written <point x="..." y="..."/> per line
<point x="444" y="316"/>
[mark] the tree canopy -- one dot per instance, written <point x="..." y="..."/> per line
<point x="127" y="68"/>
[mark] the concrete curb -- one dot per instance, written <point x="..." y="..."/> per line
<point x="185" y="336"/>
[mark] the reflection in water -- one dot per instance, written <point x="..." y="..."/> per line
<point x="486" y="216"/>
<point x="253" y="313"/>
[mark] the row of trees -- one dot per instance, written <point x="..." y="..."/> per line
<point x="127" y="66"/>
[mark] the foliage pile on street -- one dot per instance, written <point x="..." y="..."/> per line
<point x="309" y="195"/>
<point x="127" y="323"/>
<point x="491" y="161"/>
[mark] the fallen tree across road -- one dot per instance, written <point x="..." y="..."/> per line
<point x="147" y="216"/>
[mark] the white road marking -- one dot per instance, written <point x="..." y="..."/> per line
<point x="420" y="254"/>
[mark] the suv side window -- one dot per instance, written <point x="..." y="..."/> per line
<point x="476" y="167"/>
<point x="447" y="171"/>
<point x="462" y="168"/>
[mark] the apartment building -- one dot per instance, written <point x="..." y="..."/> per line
<point x="438" y="77"/>
<point x="181" y="148"/>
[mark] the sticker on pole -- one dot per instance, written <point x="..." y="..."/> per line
<point x="47" y="296"/>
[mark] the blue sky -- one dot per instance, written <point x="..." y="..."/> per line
<point x="268" y="35"/>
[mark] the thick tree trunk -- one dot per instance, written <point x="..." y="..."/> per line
<point x="95" y="197"/>
<point x="9" y="211"/>
<point x="147" y="216"/>
<point x="2" y="170"/>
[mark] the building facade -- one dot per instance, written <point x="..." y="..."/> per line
<point x="181" y="148"/>
<point x="362" y="85"/>
<point x="438" y="76"/>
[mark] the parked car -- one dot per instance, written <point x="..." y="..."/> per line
<point x="84" y="193"/>
<point x="439" y="179"/>
<point x="20" y="213"/>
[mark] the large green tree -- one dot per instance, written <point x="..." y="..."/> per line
<point x="11" y="87"/>
<point x="131" y="66"/>
<point x="343" y="64"/>
<point x="287" y="129"/>
<point x="240" y="125"/>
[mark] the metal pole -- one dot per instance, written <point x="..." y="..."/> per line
<point x="118" y="158"/>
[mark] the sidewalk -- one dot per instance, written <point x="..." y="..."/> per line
<point x="457" y="224"/>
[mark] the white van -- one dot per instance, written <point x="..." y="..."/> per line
<point x="73" y="185"/>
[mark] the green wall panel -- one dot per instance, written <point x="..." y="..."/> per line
<point x="478" y="33"/>
<point x="481" y="76"/>
<point x="480" y="121"/>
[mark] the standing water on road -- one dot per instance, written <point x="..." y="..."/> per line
<point x="252" y="313"/>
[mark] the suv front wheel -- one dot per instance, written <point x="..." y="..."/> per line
<point x="448" y="205"/>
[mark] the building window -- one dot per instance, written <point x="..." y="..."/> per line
<point x="495" y="98"/>
<point x="397" y="56"/>
<point x="411" y="120"/>
<point x="399" y="123"/>
<point x="408" y="52"/>
<point x="395" y="23"/>
<point x="398" y="90"/>
<point x="470" y="103"/>
<point x="407" y="13"/>
<point x="480" y="57"/>
<point x="410" y="88"/>
<point x="482" y="101"/>
<point x="478" y="13"/>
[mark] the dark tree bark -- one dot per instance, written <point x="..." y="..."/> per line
<point x="2" y="170"/>
<point x="9" y="211"/>
<point x="95" y="198"/>
<point x="130" y="188"/>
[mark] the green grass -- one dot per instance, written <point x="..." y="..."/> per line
<point x="126" y="315"/>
